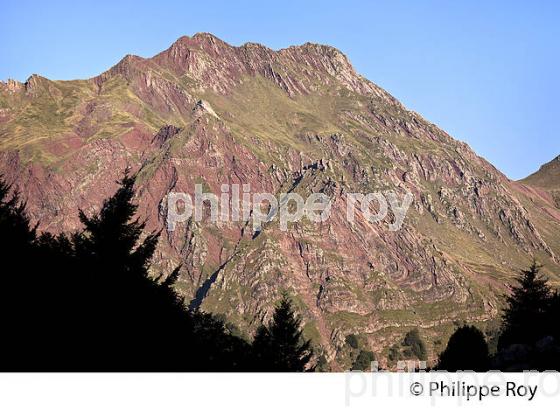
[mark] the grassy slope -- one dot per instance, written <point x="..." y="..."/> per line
<point x="548" y="176"/>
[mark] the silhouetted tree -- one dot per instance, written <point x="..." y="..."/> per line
<point x="16" y="233"/>
<point x="524" y="318"/>
<point x="466" y="350"/>
<point x="281" y="346"/>
<point x="112" y="237"/>
<point x="553" y="315"/>
<point x="88" y="302"/>
<point x="529" y="335"/>
<point x="17" y="239"/>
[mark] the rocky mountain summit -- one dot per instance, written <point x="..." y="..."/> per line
<point x="297" y="120"/>
<point x="548" y="176"/>
<point x="546" y="182"/>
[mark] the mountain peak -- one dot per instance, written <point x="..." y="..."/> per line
<point x="548" y="175"/>
<point x="551" y="164"/>
<point x="215" y="64"/>
<point x="201" y="41"/>
<point x="205" y="36"/>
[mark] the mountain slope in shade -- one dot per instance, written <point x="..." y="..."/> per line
<point x="302" y="120"/>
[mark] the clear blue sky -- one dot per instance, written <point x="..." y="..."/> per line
<point x="488" y="72"/>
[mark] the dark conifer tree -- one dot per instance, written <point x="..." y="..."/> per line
<point x="17" y="255"/>
<point x="112" y="237"/>
<point x="553" y="316"/>
<point x="16" y="232"/>
<point x="466" y="350"/>
<point x="147" y="323"/>
<point x="524" y="318"/>
<point x="88" y="303"/>
<point x="280" y="346"/>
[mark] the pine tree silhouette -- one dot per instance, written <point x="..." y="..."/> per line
<point x="88" y="302"/>
<point x="15" y="230"/>
<point x="554" y="315"/>
<point x="112" y="236"/>
<point x="280" y="346"/>
<point x="466" y="350"/>
<point x="16" y="243"/>
<point x="147" y="321"/>
<point x="524" y="318"/>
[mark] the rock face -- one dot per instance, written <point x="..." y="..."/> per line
<point x="294" y="120"/>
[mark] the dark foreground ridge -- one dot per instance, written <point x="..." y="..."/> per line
<point x="85" y="302"/>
